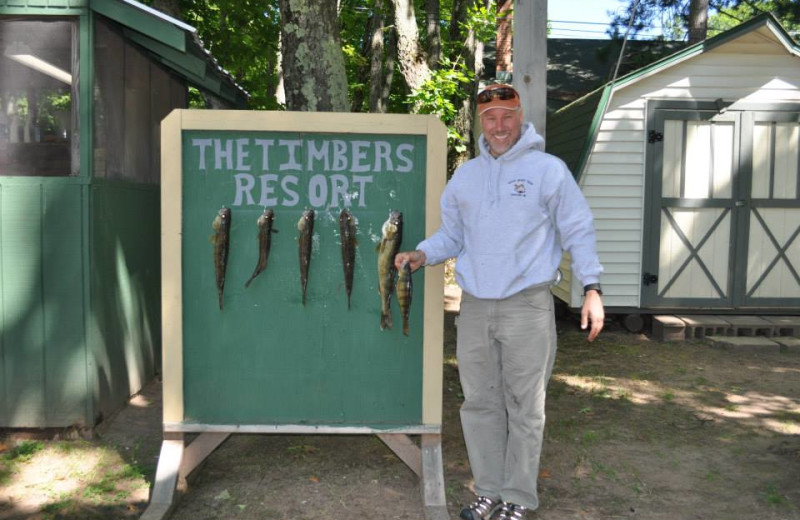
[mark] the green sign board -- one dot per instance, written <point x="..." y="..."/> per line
<point x="266" y="357"/>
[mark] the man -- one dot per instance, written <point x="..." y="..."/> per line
<point x="506" y="215"/>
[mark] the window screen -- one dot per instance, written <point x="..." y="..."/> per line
<point x="38" y="92"/>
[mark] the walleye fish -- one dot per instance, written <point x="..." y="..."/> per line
<point x="265" y="232"/>
<point x="392" y="236"/>
<point x="305" y="227"/>
<point x="347" y="229"/>
<point x="404" y="288"/>
<point x="221" y="241"/>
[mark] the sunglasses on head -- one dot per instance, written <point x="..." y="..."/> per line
<point x="501" y="93"/>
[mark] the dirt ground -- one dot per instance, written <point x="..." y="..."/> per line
<point x="636" y="429"/>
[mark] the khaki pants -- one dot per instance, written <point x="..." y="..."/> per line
<point x="506" y="350"/>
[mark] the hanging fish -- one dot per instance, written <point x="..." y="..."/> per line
<point x="221" y="241"/>
<point x="265" y="232"/>
<point x="404" y="289"/>
<point x="347" y="229"/>
<point x="305" y="227"/>
<point x="392" y="236"/>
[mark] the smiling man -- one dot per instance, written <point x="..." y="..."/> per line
<point x="507" y="216"/>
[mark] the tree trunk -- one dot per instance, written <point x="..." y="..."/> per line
<point x="382" y="103"/>
<point x="377" y="71"/>
<point x="698" y="21"/>
<point x="410" y="56"/>
<point x="313" y="64"/>
<point x="434" y="33"/>
<point x="472" y="54"/>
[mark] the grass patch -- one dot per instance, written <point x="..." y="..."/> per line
<point x="774" y="497"/>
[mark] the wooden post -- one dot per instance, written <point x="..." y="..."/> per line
<point x="530" y="59"/>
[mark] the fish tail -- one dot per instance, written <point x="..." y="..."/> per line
<point x="247" y="283"/>
<point x="220" y="300"/>
<point x="386" y="320"/>
<point x="405" y="326"/>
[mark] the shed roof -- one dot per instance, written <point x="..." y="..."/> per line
<point x="571" y="131"/>
<point x="168" y="40"/>
<point x="173" y="43"/>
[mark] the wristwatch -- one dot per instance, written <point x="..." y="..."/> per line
<point x="592" y="287"/>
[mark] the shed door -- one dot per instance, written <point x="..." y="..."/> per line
<point x="772" y="246"/>
<point x="723" y="210"/>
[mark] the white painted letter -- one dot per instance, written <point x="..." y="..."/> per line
<point x="339" y="155"/>
<point x="293" y="198"/>
<point x="202" y="144"/>
<point x="268" y="188"/>
<point x="244" y="185"/>
<point x="241" y="155"/>
<point x="359" y="154"/>
<point x="291" y="145"/>
<point x="265" y="144"/>
<point x="317" y="190"/>
<point x="339" y="187"/>
<point x="361" y="180"/>
<point x="383" y="152"/>
<point x="409" y="164"/>
<point x="318" y="155"/>
<point x="220" y="154"/>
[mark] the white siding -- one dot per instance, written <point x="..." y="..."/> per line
<point x="752" y="68"/>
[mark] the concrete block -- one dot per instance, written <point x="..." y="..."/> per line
<point x="668" y="328"/>
<point x="700" y="326"/>
<point x="749" y="326"/>
<point x="788" y="344"/>
<point x="785" y="325"/>
<point x="750" y="344"/>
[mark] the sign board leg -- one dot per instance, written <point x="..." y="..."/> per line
<point x="405" y="449"/>
<point x="427" y="464"/>
<point x="175" y="462"/>
<point x="169" y="462"/>
<point x="432" y="485"/>
<point x="198" y="450"/>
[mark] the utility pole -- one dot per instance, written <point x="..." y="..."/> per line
<point x="530" y="59"/>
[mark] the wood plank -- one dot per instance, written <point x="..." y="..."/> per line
<point x="162" y="498"/>
<point x="63" y="281"/>
<point x="432" y="485"/>
<point x="405" y="449"/>
<point x="23" y="306"/>
<point x="198" y="450"/>
<point x="306" y="429"/>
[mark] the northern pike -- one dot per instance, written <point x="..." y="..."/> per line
<point x="391" y="238"/>
<point x="347" y="229"/>
<point x="305" y="227"/>
<point x="265" y="232"/>
<point x="404" y="289"/>
<point x="221" y="241"/>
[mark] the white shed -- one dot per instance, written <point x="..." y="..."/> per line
<point x="691" y="167"/>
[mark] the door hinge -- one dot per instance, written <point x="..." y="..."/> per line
<point x="648" y="278"/>
<point x="654" y="137"/>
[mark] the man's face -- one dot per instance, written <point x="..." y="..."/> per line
<point x="501" y="128"/>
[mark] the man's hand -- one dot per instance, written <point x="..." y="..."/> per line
<point x="415" y="259"/>
<point x="592" y="311"/>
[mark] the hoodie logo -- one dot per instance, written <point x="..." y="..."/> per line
<point x="519" y="187"/>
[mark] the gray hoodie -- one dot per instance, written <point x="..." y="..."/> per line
<point x="507" y="219"/>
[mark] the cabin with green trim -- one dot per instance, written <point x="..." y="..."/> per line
<point x="84" y="85"/>
<point x="691" y="166"/>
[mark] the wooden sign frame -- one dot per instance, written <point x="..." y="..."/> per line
<point x="178" y="460"/>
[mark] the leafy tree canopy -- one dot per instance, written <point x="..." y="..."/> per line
<point x="673" y="15"/>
